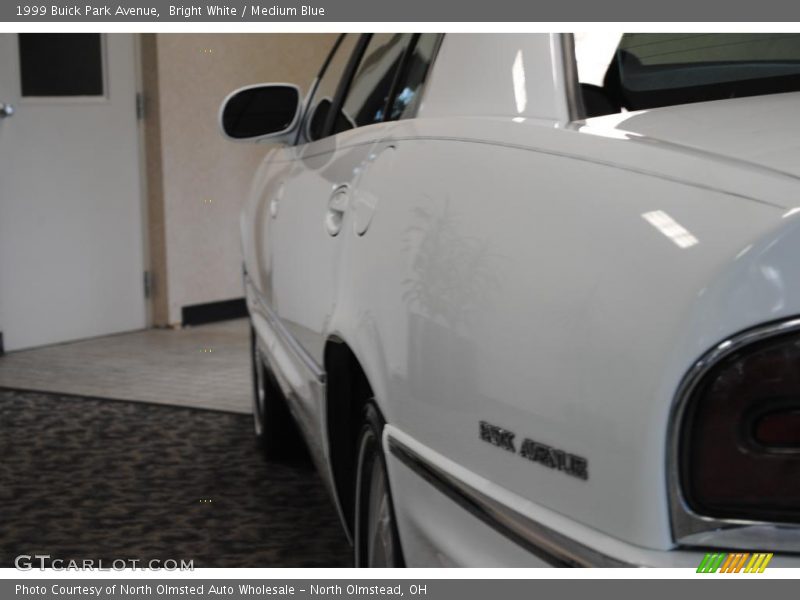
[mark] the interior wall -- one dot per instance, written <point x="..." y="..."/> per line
<point x="196" y="179"/>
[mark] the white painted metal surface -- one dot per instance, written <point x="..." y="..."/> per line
<point x="484" y="75"/>
<point x="71" y="237"/>
<point x="556" y="279"/>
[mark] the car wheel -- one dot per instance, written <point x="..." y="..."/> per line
<point x="376" y="541"/>
<point x="274" y="426"/>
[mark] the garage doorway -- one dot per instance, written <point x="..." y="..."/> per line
<point x="71" y="208"/>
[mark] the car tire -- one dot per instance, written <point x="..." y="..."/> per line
<point x="275" y="429"/>
<point x="376" y="541"/>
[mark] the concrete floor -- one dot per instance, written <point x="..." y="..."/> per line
<point x="202" y="367"/>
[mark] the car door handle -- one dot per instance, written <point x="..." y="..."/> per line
<point x="337" y="206"/>
<point x="6" y="110"/>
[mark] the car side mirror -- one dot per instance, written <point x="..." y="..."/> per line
<point x="266" y="111"/>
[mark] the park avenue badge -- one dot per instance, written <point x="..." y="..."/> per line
<point x="545" y="455"/>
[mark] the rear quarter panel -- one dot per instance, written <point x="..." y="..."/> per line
<point x="526" y="288"/>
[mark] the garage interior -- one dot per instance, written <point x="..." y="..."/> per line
<point x="125" y="384"/>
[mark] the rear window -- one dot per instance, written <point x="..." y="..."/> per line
<point x="635" y="71"/>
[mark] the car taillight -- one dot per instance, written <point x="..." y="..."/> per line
<point x="740" y="447"/>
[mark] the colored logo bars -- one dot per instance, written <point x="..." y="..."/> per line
<point x="718" y="562"/>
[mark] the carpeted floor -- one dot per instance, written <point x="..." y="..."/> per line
<point x="87" y="478"/>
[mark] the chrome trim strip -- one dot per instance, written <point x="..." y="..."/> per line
<point x="297" y="349"/>
<point x="543" y="542"/>
<point x="690" y="528"/>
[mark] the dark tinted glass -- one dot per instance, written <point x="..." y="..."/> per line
<point x="636" y="71"/>
<point x="406" y="98"/>
<point x="368" y="93"/>
<point x="260" y="111"/>
<point x="768" y="49"/>
<point x="61" y="64"/>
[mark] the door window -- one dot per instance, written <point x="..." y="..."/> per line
<point x="368" y="93"/>
<point x="408" y="90"/>
<point x="331" y="75"/>
<point x="376" y="78"/>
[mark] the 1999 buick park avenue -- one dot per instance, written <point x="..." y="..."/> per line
<point x="534" y="299"/>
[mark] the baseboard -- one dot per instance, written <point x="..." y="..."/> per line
<point x="211" y="312"/>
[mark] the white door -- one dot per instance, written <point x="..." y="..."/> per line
<point x="71" y="213"/>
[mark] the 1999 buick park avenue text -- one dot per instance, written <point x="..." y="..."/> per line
<point x="534" y="299"/>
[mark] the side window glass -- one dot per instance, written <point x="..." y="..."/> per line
<point x="368" y="94"/>
<point x="407" y="94"/>
<point x="320" y="104"/>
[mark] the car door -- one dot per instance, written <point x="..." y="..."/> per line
<point x="311" y="220"/>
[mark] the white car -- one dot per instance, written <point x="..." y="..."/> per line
<point x="534" y="299"/>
